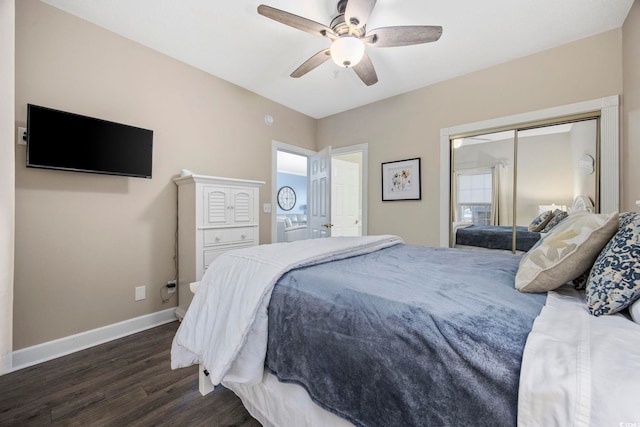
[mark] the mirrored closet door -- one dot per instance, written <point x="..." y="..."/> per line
<point x="510" y="187"/>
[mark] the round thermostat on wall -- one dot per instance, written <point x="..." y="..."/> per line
<point x="268" y="119"/>
<point x="286" y="198"/>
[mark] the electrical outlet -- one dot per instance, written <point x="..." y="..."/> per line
<point x="141" y="293"/>
<point x="171" y="286"/>
<point x="266" y="208"/>
<point x="22" y="136"/>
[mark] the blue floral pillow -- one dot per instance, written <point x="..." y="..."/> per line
<point x="540" y="221"/>
<point x="627" y="217"/>
<point x="614" y="281"/>
<point x="556" y="218"/>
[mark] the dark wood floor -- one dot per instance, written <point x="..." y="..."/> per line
<point x="127" y="382"/>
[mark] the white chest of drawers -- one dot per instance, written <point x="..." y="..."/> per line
<point x="214" y="215"/>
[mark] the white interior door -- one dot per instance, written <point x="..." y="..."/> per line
<point x="319" y="209"/>
<point x="345" y="198"/>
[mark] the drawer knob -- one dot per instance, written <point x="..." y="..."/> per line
<point x="243" y="236"/>
<point x="217" y="239"/>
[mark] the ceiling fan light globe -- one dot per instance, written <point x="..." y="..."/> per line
<point x="347" y="51"/>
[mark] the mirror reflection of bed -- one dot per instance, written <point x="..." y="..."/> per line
<point x="510" y="187"/>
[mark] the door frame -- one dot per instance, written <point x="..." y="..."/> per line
<point x="281" y="146"/>
<point x="275" y="147"/>
<point x="364" y="149"/>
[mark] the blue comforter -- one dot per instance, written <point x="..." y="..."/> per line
<point x="405" y="336"/>
<point x="497" y="237"/>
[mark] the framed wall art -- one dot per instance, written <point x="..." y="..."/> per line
<point x="401" y="180"/>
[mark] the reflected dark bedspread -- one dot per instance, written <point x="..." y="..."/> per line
<point x="405" y="336"/>
<point x="497" y="237"/>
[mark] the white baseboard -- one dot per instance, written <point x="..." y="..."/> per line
<point x="180" y="312"/>
<point x="6" y="363"/>
<point x="30" y="356"/>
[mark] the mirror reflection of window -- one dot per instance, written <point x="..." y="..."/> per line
<point x="474" y="197"/>
<point x="483" y="185"/>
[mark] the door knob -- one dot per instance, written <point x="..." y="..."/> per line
<point x="327" y="225"/>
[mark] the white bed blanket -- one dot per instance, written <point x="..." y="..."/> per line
<point x="579" y="370"/>
<point x="225" y="327"/>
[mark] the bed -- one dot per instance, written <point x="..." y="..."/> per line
<point x="371" y="331"/>
<point x="500" y="237"/>
<point x="495" y="237"/>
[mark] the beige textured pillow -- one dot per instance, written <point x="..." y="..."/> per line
<point x="566" y="252"/>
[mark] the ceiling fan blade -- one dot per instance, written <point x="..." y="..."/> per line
<point x="403" y="36"/>
<point x="364" y="69"/>
<point x="296" y="21"/>
<point x="311" y="63"/>
<point x="358" y="11"/>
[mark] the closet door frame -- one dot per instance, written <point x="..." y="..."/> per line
<point x="608" y="149"/>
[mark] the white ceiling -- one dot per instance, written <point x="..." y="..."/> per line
<point x="231" y="41"/>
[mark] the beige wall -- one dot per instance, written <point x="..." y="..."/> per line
<point x="408" y="125"/>
<point x="545" y="174"/>
<point x="583" y="141"/>
<point x="630" y="151"/>
<point x="83" y="241"/>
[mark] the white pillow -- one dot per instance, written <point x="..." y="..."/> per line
<point x="634" y="310"/>
<point x="287" y="222"/>
<point x="566" y="252"/>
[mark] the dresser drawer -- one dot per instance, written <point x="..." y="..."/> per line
<point x="227" y="236"/>
<point x="211" y="254"/>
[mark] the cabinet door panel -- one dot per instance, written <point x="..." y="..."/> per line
<point x="242" y="206"/>
<point x="216" y="204"/>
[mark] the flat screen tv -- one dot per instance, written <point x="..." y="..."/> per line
<point x="72" y="142"/>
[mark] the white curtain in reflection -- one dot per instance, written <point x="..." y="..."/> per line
<point x="499" y="196"/>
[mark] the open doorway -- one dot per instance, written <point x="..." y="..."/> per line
<point x="347" y="192"/>
<point x="295" y="200"/>
<point x="291" y="197"/>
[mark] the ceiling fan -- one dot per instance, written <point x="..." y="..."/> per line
<point x="349" y="36"/>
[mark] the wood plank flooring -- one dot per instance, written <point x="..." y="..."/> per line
<point x="126" y="382"/>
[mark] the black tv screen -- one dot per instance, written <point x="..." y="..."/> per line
<point x="67" y="141"/>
